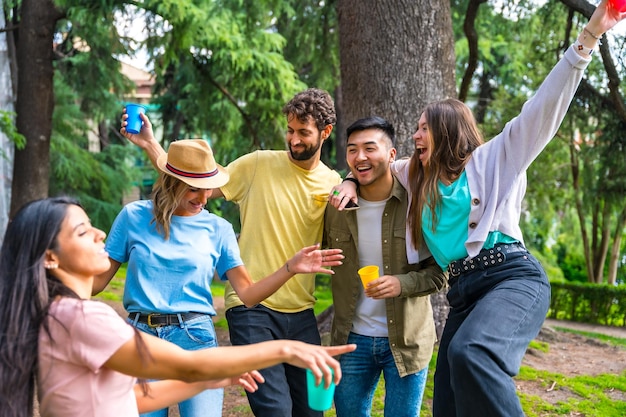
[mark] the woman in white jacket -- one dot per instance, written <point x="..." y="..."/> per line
<point x="465" y="205"/>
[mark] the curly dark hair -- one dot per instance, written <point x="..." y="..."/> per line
<point x="312" y="103"/>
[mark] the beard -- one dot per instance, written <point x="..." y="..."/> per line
<point x="307" y="153"/>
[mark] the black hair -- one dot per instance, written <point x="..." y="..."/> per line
<point x="373" y="122"/>
<point x="26" y="291"/>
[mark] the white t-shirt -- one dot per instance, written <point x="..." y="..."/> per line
<point x="71" y="379"/>
<point x="370" y="317"/>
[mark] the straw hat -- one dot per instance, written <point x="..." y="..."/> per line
<point x="191" y="161"/>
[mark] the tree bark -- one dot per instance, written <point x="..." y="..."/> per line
<point x="396" y="56"/>
<point x="615" y="248"/>
<point x="35" y="100"/>
<point x="6" y="146"/>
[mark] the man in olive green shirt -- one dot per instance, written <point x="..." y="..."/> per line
<point x="391" y="321"/>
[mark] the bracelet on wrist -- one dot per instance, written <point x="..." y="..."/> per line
<point x="582" y="48"/>
<point x="354" y="180"/>
<point x="287" y="267"/>
<point x="593" y="35"/>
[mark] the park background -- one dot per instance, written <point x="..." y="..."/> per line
<point x="221" y="70"/>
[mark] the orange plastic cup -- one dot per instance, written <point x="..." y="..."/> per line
<point x="368" y="273"/>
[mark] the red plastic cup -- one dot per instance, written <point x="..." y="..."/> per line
<point x="619" y="5"/>
<point x="134" y="120"/>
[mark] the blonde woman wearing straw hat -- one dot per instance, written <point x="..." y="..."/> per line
<point x="78" y="355"/>
<point x="174" y="248"/>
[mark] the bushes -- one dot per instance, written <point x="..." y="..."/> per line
<point x="588" y="303"/>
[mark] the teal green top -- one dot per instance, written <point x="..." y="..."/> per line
<point x="447" y="240"/>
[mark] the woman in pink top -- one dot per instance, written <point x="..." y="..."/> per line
<point x="83" y="356"/>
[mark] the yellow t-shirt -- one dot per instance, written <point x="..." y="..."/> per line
<point x="282" y="210"/>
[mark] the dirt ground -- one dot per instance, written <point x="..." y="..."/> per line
<point x="569" y="355"/>
<point x="572" y="355"/>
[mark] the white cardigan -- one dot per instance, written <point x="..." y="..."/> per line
<point x="496" y="172"/>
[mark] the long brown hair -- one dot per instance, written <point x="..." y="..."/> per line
<point x="167" y="194"/>
<point x="453" y="136"/>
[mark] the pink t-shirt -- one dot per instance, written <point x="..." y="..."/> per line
<point x="72" y="381"/>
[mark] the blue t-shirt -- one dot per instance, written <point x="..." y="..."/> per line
<point x="171" y="276"/>
<point x="447" y="241"/>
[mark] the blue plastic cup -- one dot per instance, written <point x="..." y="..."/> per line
<point x="320" y="398"/>
<point x="134" y="120"/>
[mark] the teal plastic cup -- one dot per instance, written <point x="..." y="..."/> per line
<point x="320" y="397"/>
<point x="134" y="120"/>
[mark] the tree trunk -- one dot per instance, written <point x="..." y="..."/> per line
<point x="35" y="100"/>
<point x="6" y="146"/>
<point x="614" y="259"/>
<point x="396" y="56"/>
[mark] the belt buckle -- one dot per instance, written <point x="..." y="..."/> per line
<point x="150" y="324"/>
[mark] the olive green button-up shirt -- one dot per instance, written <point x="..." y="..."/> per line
<point x="410" y="324"/>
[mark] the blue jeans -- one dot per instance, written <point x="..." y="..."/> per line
<point x="284" y="392"/>
<point x="195" y="334"/>
<point x="361" y="371"/>
<point x="494" y="314"/>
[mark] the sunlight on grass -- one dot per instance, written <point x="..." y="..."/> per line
<point x="591" y="396"/>
<point x="540" y="346"/>
<point x="615" y="341"/>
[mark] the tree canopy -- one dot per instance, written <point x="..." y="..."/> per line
<point x="224" y="69"/>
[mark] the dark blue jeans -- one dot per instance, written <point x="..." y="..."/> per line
<point x="361" y="371"/>
<point x="284" y="392"/>
<point x="494" y="314"/>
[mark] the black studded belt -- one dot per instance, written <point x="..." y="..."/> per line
<point x="486" y="258"/>
<point x="159" y="320"/>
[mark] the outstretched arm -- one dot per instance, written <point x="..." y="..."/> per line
<point x="162" y="394"/>
<point x="308" y="260"/>
<point x="168" y="361"/>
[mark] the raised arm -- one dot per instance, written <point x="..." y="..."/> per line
<point x="144" y="139"/>
<point x="604" y="17"/>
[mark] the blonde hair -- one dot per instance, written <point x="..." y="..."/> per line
<point x="452" y="135"/>
<point x="167" y="194"/>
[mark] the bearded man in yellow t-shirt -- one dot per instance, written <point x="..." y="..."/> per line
<point x="282" y="196"/>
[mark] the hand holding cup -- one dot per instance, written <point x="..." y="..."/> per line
<point x="134" y="121"/>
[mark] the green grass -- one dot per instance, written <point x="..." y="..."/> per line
<point x="323" y="294"/>
<point x="615" y="341"/>
<point x="115" y="290"/>
<point x="590" y="396"/>
<point x="540" y="346"/>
